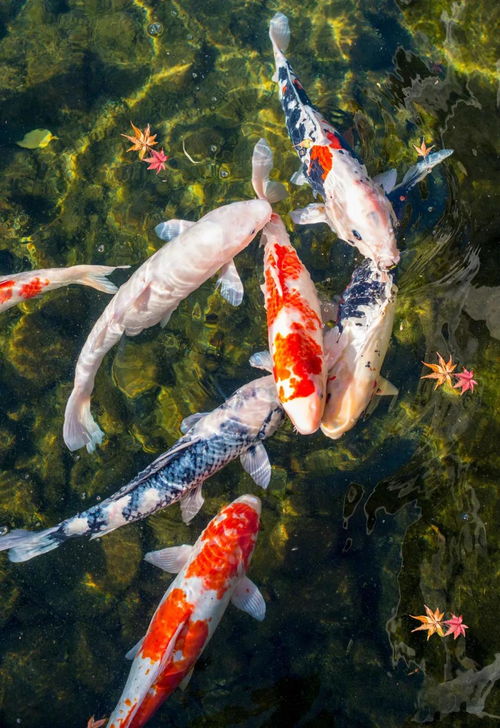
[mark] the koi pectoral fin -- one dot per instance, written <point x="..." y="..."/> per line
<point x="386" y="388"/>
<point x="231" y="287"/>
<point x="261" y="360"/>
<point x="299" y="178"/>
<point x="310" y="215"/>
<point x="248" y="598"/>
<point x="190" y="421"/>
<point x="275" y="191"/>
<point x="387" y="180"/>
<point x="185" y="680"/>
<point x="191" y="504"/>
<point x="171" y="559"/>
<point x="172" y="228"/>
<point x="134" y="650"/>
<point x="256" y="463"/>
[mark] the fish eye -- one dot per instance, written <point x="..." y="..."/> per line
<point x="253" y="231"/>
<point x="357" y="235"/>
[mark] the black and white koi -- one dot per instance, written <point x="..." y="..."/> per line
<point x="356" y="348"/>
<point x="211" y="440"/>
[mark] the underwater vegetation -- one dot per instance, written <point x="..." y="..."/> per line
<point x="356" y="534"/>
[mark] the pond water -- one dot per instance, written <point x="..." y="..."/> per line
<point x="357" y="534"/>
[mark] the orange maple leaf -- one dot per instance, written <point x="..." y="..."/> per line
<point x="423" y="150"/>
<point x="441" y="372"/>
<point x="432" y="622"/>
<point x="142" y="141"/>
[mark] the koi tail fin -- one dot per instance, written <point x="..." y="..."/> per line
<point x="262" y="164"/>
<point x="279" y="31"/>
<point x="95" y="276"/>
<point x="24" y="545"/>
<point x="80" y="429"/>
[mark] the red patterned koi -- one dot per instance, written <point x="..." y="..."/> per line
<point x="294" y="329"/>
<point x="209" y="575"/>
<point x="23" y="286"/>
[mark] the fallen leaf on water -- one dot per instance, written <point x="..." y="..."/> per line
<point x="423" y="150"/>
<point x="441" y="371"/>
<point x="432" y="622"/>
<point x="92" y="723"/>
<point x="455" y="626"/>
<point x="142" y="141"/>
<point x="157" y="160"/>
<point x="465" y="380"/>
<point x="36" y="139"/>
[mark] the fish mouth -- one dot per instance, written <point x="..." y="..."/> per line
<point x="250" y="500"/>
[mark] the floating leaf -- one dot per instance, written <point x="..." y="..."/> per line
<point x="36" y="139"/>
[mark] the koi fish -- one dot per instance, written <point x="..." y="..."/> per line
<point x="355" y="208"/>
<point x="211" y="440"/>
<point x="356" y="348"/>
<point x="196" y="251"/>
<point x="295" y="330"/>
<point x="398" y="193"/>
<point x="20" y="287"/>
<point x="210" y="574"/>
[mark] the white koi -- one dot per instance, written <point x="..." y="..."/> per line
<point x="196" y="252"/>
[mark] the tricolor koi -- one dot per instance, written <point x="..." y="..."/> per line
<point x="211" y="440"/>
<point x="210" y="574"/>
<point x="356" y="348"/>
<point x="356" y="208"/>
<point x="21" y="287"/>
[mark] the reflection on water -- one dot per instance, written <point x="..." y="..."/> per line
<point x="357" y="534"/>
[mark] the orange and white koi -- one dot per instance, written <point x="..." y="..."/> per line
<point x="21" y="287"/>
<point x="356" y="348"/>
<point x="355" y="206"/>
<point x="293" y="310"/>
<point x="210" y="574"/>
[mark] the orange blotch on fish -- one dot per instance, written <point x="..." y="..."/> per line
<point x="6" y="290"/>
<point x="297" y="301"/>
<point x="334" y="140"/>
<point x="215" y="564"/>
<point x="323" y="156"/>
<point x="274" y="301"/>
<point x="287" y="261"/>
<point x="174" y="610"/>
<point x="33" y="287"/>
<point x="299" y="352"/>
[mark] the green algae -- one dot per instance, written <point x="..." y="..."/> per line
<point x="422" y="527"/>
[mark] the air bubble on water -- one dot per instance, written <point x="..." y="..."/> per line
<point x="214" y="99"/>
<point x="155" y="29"/>
<point x="213" y="148"/>
<point x="189" y="36"/>
<point x="100" y="249"/>
<point x="4" y="530"/>
<point x="194" y="74"/>
<point x="223" y="173"/>
<point x="173" y="12"/>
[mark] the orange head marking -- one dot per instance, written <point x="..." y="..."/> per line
<point x="301" y="354"/>
<point x="229" y="540"/>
